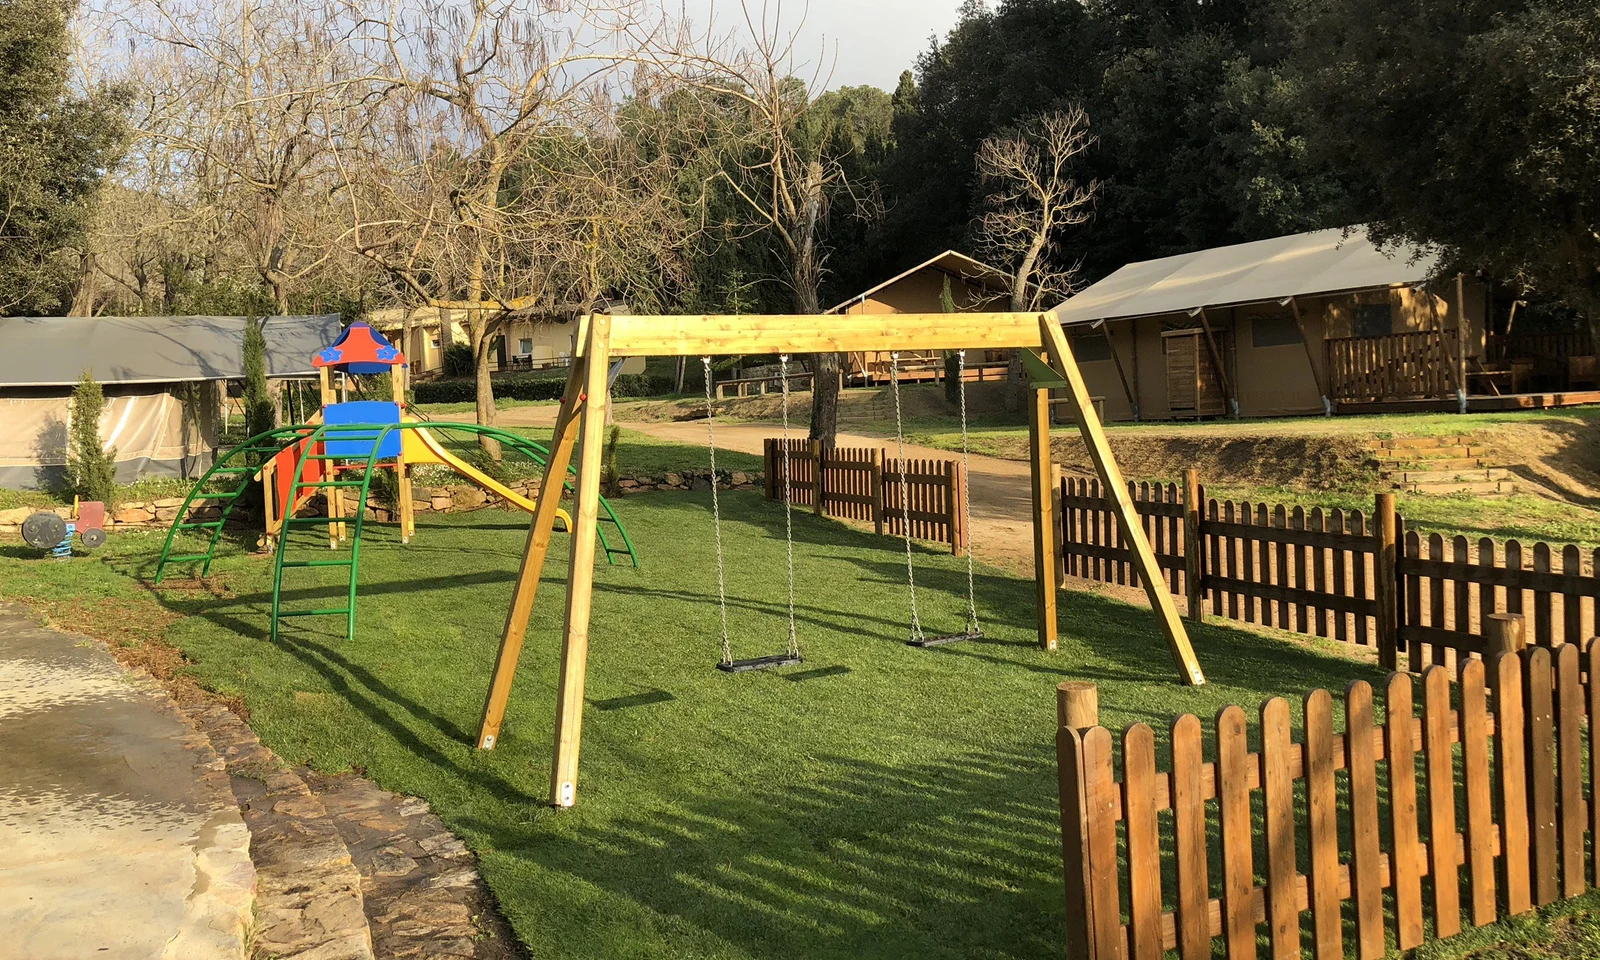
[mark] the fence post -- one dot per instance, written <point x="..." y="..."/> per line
<point x="817" y="484"/>
<point x="956" y="488"/>
<point x="1385" y="566"/>
<point x="1071" y="776"/>
<point x="1193" y="556"/>
<point x="1505" y="633"/>
<point x="1078" y="705"/>
<point x="768" y="467"/>
<point x="877" y="490"/>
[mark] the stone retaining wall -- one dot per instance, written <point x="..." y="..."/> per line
<point x="431" y="499"/>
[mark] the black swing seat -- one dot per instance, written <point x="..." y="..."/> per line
<point x="760" y="663"/>
<point x="925" y="642"/>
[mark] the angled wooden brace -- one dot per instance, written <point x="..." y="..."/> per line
<point x="1065" y="366"/>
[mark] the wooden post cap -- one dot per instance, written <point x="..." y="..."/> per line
<point x="1078" y="705"/>
<point x="1505" y="632"/>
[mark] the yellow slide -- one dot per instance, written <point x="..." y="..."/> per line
<point x="421" y="447"/>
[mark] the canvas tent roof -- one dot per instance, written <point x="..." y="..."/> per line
<point x="1306" y="264"/>
<point x="54" y="351"/>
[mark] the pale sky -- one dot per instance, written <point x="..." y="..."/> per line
<point x="857" y="41"/>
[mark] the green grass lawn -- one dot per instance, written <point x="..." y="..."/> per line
<point x="880" y="801"/>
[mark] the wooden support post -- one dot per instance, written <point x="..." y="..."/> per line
<point x="877" y="491"/>
<point x="1505" y="633"/>
<point x="1218" y="363"/>
<point x="1111" y="345"/>
<point x="540" y="530"/>
<point x="1193" y="556"/>
<point x="330" y="498"/>
<point x="1320" y="379"/>
<point x="404" y="509"/>
<point x="1385" y="562"/>
<point x="580" y="581"/>
<point x="1462" y="331"/>
<point x="1078" y="705"/>
<point x="957" y="494"/>
<point x="1128" y="522"/>
<point x="1044" y="533"/>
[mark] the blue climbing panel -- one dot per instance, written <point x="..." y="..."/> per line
<point x="359" y="445"/>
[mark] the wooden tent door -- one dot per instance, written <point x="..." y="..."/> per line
<point x="1193" y="387"/>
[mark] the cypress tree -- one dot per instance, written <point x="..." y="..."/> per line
<point x="91" y="469"/>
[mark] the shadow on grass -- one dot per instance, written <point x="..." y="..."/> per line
<point x="951" y="856"/>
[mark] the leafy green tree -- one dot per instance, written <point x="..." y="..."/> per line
<point x="55" y="146"/>
<point x="1475" y="124"/>
<point x="91" y="468"/>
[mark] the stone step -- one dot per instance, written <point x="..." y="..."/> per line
<point x="308" y="891"/>
<point x="1476" y="475"/>
<point x="1478" y="488"/>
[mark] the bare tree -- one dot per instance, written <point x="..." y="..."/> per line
<point x="780" y="164"/>
<point x="485" y="181"/>
<point x="234" y="119"/>
<point x="1031" y="197"/>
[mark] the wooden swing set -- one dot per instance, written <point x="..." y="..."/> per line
<point x="601" y="338"/>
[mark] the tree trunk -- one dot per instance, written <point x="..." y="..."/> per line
<point x="825" y="397"/>
<point x="483" y="396"/>
<point x="1016" y="381"/>
<point x="83" y="296"/>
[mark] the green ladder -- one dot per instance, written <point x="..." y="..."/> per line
<point x="232" y="463"/>
<point x="352" y="431"/>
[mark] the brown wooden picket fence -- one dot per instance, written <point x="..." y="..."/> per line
<point x="864" y="484"/>
<point x="1351" y="576"/>
<point x="1166" y="859"/>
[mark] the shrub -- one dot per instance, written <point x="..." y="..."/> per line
<point x="459" y="360"/>
<point x="91" y="468"/>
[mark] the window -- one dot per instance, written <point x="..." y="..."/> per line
<point x="1372" y="320"/>
<point x="1274" y="330"/>
<point x="435" y="342"/>
<point x="1088" y="347"/>
<point x="524" y="346"/>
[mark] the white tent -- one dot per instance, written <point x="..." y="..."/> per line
<point x="163" y="378"/>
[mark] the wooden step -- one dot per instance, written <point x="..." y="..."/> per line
<point x="1478" y="488"/>
<point x="1478" y="475"/>
<point x="1409" y="454"/>
<point x="1390" y="468"/>
<point x="1418" y="443"/>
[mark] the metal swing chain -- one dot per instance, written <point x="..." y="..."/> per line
<point x="716" y="515"/>
<point x="788" y="501"/>
<point x="905" y="494"/>
<point x="966" y="496"/>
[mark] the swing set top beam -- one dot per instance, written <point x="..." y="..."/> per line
<point x="740" y="334"/>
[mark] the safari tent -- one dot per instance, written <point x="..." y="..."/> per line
<point x="165" y="380"/>
<point x="1311" y="323"/>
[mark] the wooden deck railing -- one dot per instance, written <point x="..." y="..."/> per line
<point x="1492" y="840"/>
<point x="1405" y="366"/>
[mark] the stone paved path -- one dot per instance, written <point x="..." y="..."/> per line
<point x="119" y="835"/>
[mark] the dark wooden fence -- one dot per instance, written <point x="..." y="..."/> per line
<point x="1404" y="366"/>
<point x="863" y="484"/>
<point x="1347" y="576"/>
<point x="1491" y="840"/>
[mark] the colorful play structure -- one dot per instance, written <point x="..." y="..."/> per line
<point x="338" y="453"/>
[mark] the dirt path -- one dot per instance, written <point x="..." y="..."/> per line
<point x="1002" y="529"/>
